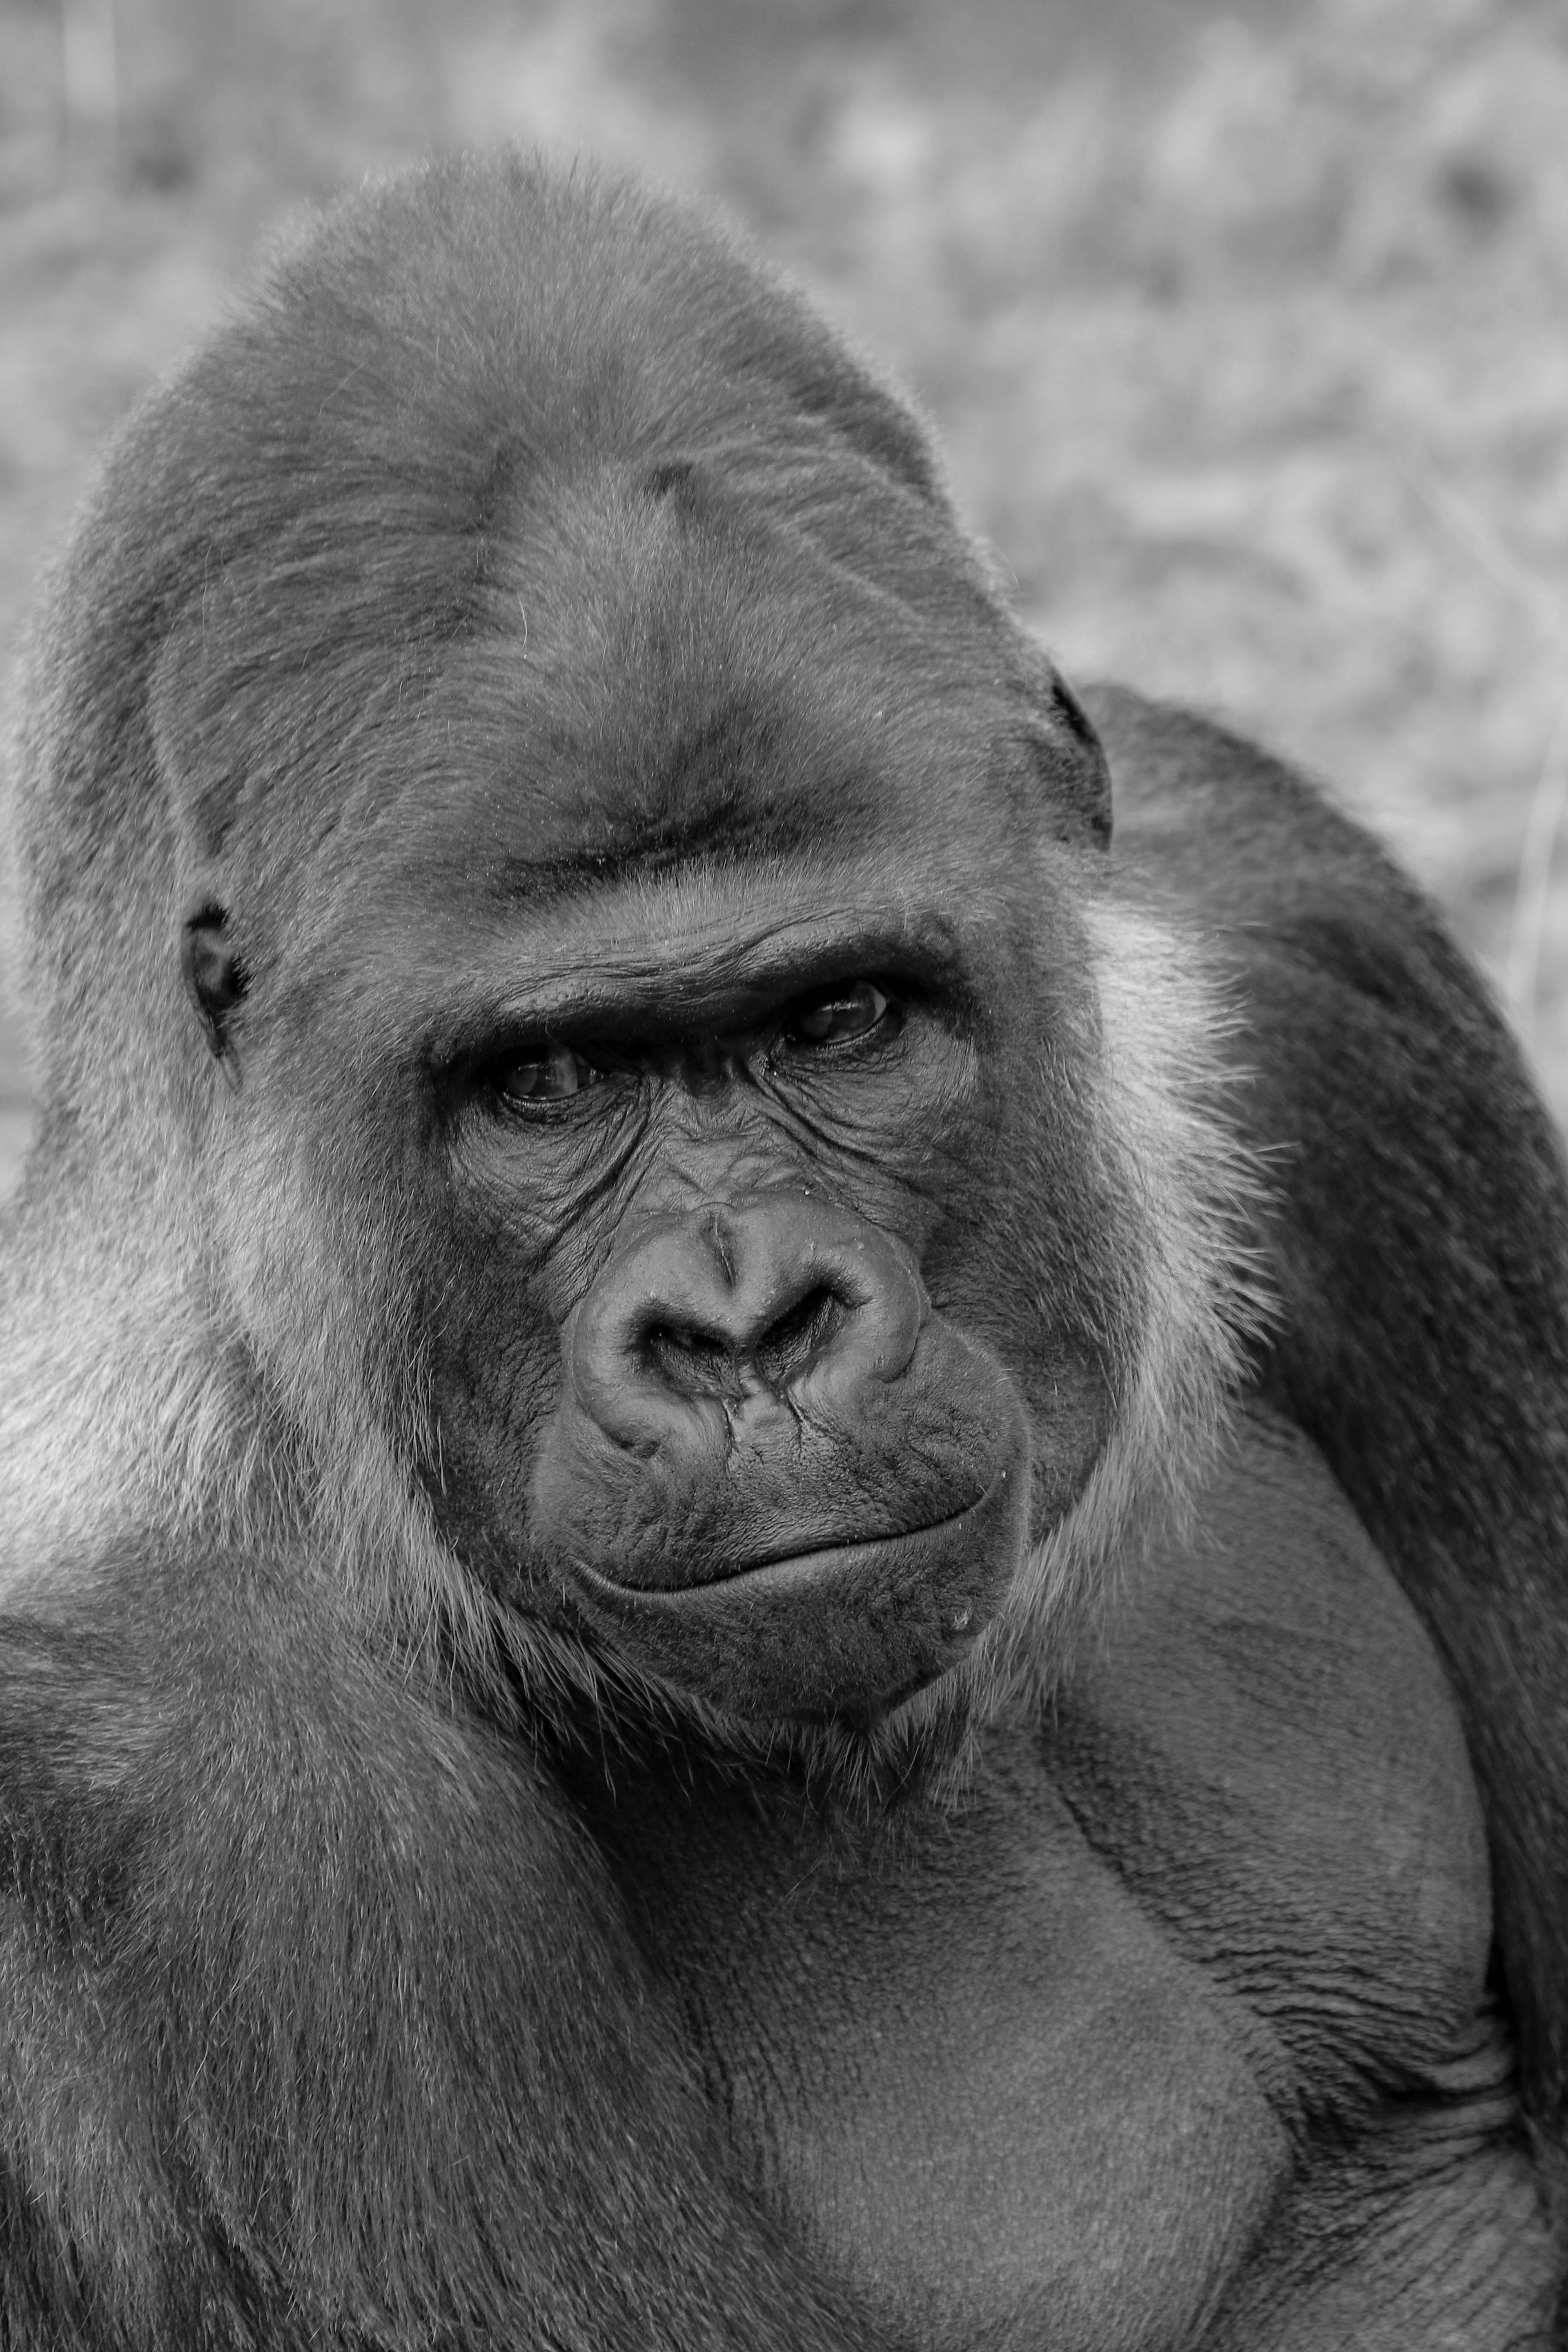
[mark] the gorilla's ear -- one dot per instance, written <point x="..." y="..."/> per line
<point x="1073" y="765"/>
<point x="215" y="982"/>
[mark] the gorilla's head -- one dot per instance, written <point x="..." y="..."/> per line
<point x="572" y="917"/>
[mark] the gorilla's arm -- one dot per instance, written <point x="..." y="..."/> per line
<point x="318" y="2003"/>
<point x="1419" y="1250"/>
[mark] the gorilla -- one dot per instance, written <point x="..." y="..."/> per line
<point x="785" y="1428"/>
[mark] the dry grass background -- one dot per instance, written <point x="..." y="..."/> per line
<point x="1248" y="336"/>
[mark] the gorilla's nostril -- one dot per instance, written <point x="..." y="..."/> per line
<point x="690" y="1361"/>
<point x="696" y="1360"/>
<point x="796" y="1337"/>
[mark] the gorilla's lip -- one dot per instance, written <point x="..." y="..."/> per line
<point x="783" y="1570"/>
<point x="848" y="1627"/>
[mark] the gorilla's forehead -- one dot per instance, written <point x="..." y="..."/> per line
<point x="655" y="684"/>
<point x="642" y="672"/>
<point x="690" y="754"/>
<point x="673" y="936"/>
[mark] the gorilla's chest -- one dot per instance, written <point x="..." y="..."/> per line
<point x="964" y="2067"/>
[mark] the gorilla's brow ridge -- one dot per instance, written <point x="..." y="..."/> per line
<point x="659" y="842"/>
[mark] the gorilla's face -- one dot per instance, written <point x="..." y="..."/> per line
<point x="744" y="1048"/>
<point x="720" y="1368"/>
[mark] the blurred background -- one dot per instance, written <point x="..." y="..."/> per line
<point x="1246" y="330"/>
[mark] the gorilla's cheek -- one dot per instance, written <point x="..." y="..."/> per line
<point x="495" y="1381"/>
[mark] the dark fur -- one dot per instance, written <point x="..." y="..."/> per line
<point x="329" y="2018"/>
<point x="1419" y="1245"/>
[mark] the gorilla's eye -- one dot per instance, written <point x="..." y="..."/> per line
<point x="547" y="1076"/>
<point x="836" y="1015"/>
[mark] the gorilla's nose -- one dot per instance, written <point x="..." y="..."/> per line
<point x="780" y="1296"/>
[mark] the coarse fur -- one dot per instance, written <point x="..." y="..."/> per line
<point x="523" y="631"/>
<point x="1420" y="1262"/>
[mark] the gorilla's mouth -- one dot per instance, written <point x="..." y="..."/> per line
<point x="840" y="1628"/>
<point x="779" y="1573"/>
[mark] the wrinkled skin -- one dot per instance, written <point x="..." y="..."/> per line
<point x="774" y="1469"/>
<point x="782" y="1428"/>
